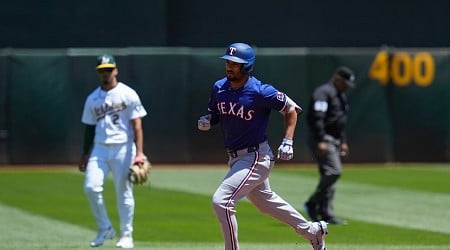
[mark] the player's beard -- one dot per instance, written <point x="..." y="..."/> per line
<point x="107" y="80"/>
<point x="236" y="78"/>
<point x="233" y="76"/>
<point x="108" y="83"/>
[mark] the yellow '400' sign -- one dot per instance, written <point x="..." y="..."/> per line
<point x="402" y="68"/>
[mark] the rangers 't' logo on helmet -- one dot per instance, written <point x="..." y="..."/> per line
<point x="232" y="50"/>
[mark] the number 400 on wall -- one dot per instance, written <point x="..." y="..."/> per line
<point x="402" y="68"/>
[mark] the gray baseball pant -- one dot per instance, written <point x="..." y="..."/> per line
<point x="330" y="169"/>
<point x="249" y="177"/>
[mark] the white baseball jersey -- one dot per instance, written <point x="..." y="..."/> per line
<point x="111" y="112"/>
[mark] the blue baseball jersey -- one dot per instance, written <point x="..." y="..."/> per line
<point x="244" y="113"/>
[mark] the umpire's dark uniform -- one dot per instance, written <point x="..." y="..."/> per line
<point x="327" y="117"/>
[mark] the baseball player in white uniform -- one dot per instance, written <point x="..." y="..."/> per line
<point x="113" y="140"/>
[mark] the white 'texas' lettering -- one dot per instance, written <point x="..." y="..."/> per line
<point x="231" y="111"/>
<point x="235" y="109"/>
<point x="221" y="107"/>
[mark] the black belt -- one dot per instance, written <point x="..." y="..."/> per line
<point x="236" y="153"/>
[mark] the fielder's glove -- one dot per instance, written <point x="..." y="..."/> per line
<point x="285" y="151"/>
<point x="203" y="123"/>
<point x="139" y="171"/>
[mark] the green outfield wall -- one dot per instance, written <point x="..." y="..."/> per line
<point x="400" y="108"/>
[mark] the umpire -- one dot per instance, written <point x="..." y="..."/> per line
<point x="327" y="117"/>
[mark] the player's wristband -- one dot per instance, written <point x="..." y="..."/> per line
<point x="287" y="141"/>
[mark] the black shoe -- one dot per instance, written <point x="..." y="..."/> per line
<point x="311" y="210"/>
<point x="335" y="221"/>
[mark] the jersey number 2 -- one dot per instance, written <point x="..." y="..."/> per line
<point x="115" y="118"/>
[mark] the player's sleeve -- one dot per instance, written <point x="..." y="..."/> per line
<point x="212" y="108"/>
<point x="88" y="117"/>
<point x="273" y="99"/>
<point x="319" y="108"/>
<point x="136" y="108"/>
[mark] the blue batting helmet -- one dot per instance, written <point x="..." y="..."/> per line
<point x="241" y="53"/>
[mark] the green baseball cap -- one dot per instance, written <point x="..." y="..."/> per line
<point x="106" y="61"/>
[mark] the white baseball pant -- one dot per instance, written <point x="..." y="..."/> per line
<point x="114" y="158"/>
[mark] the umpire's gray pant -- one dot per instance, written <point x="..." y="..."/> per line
<point x="330" y="169"/>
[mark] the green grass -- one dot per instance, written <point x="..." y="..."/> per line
<point x="387" y="206"/>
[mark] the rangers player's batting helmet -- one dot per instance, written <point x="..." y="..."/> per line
<point x="241" y="53"/>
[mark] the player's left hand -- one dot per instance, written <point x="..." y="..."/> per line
<point x="203" y="123"/>
<point x="286" y="151"/>
<point x="344" y="150"/>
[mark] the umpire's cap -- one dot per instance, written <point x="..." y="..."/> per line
<point x="106" y="61"/>
<point x="346" y="74"/>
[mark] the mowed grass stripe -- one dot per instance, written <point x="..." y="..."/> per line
<point x="23" y="230"/>
<point x="398" y="207"/>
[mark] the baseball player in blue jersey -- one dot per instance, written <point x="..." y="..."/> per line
<point x="113" y="140"/>
<point x="242" y="105"/>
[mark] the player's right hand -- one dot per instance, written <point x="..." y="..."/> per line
<point x="204" y="123"/>
<point x="322" y="148"/>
